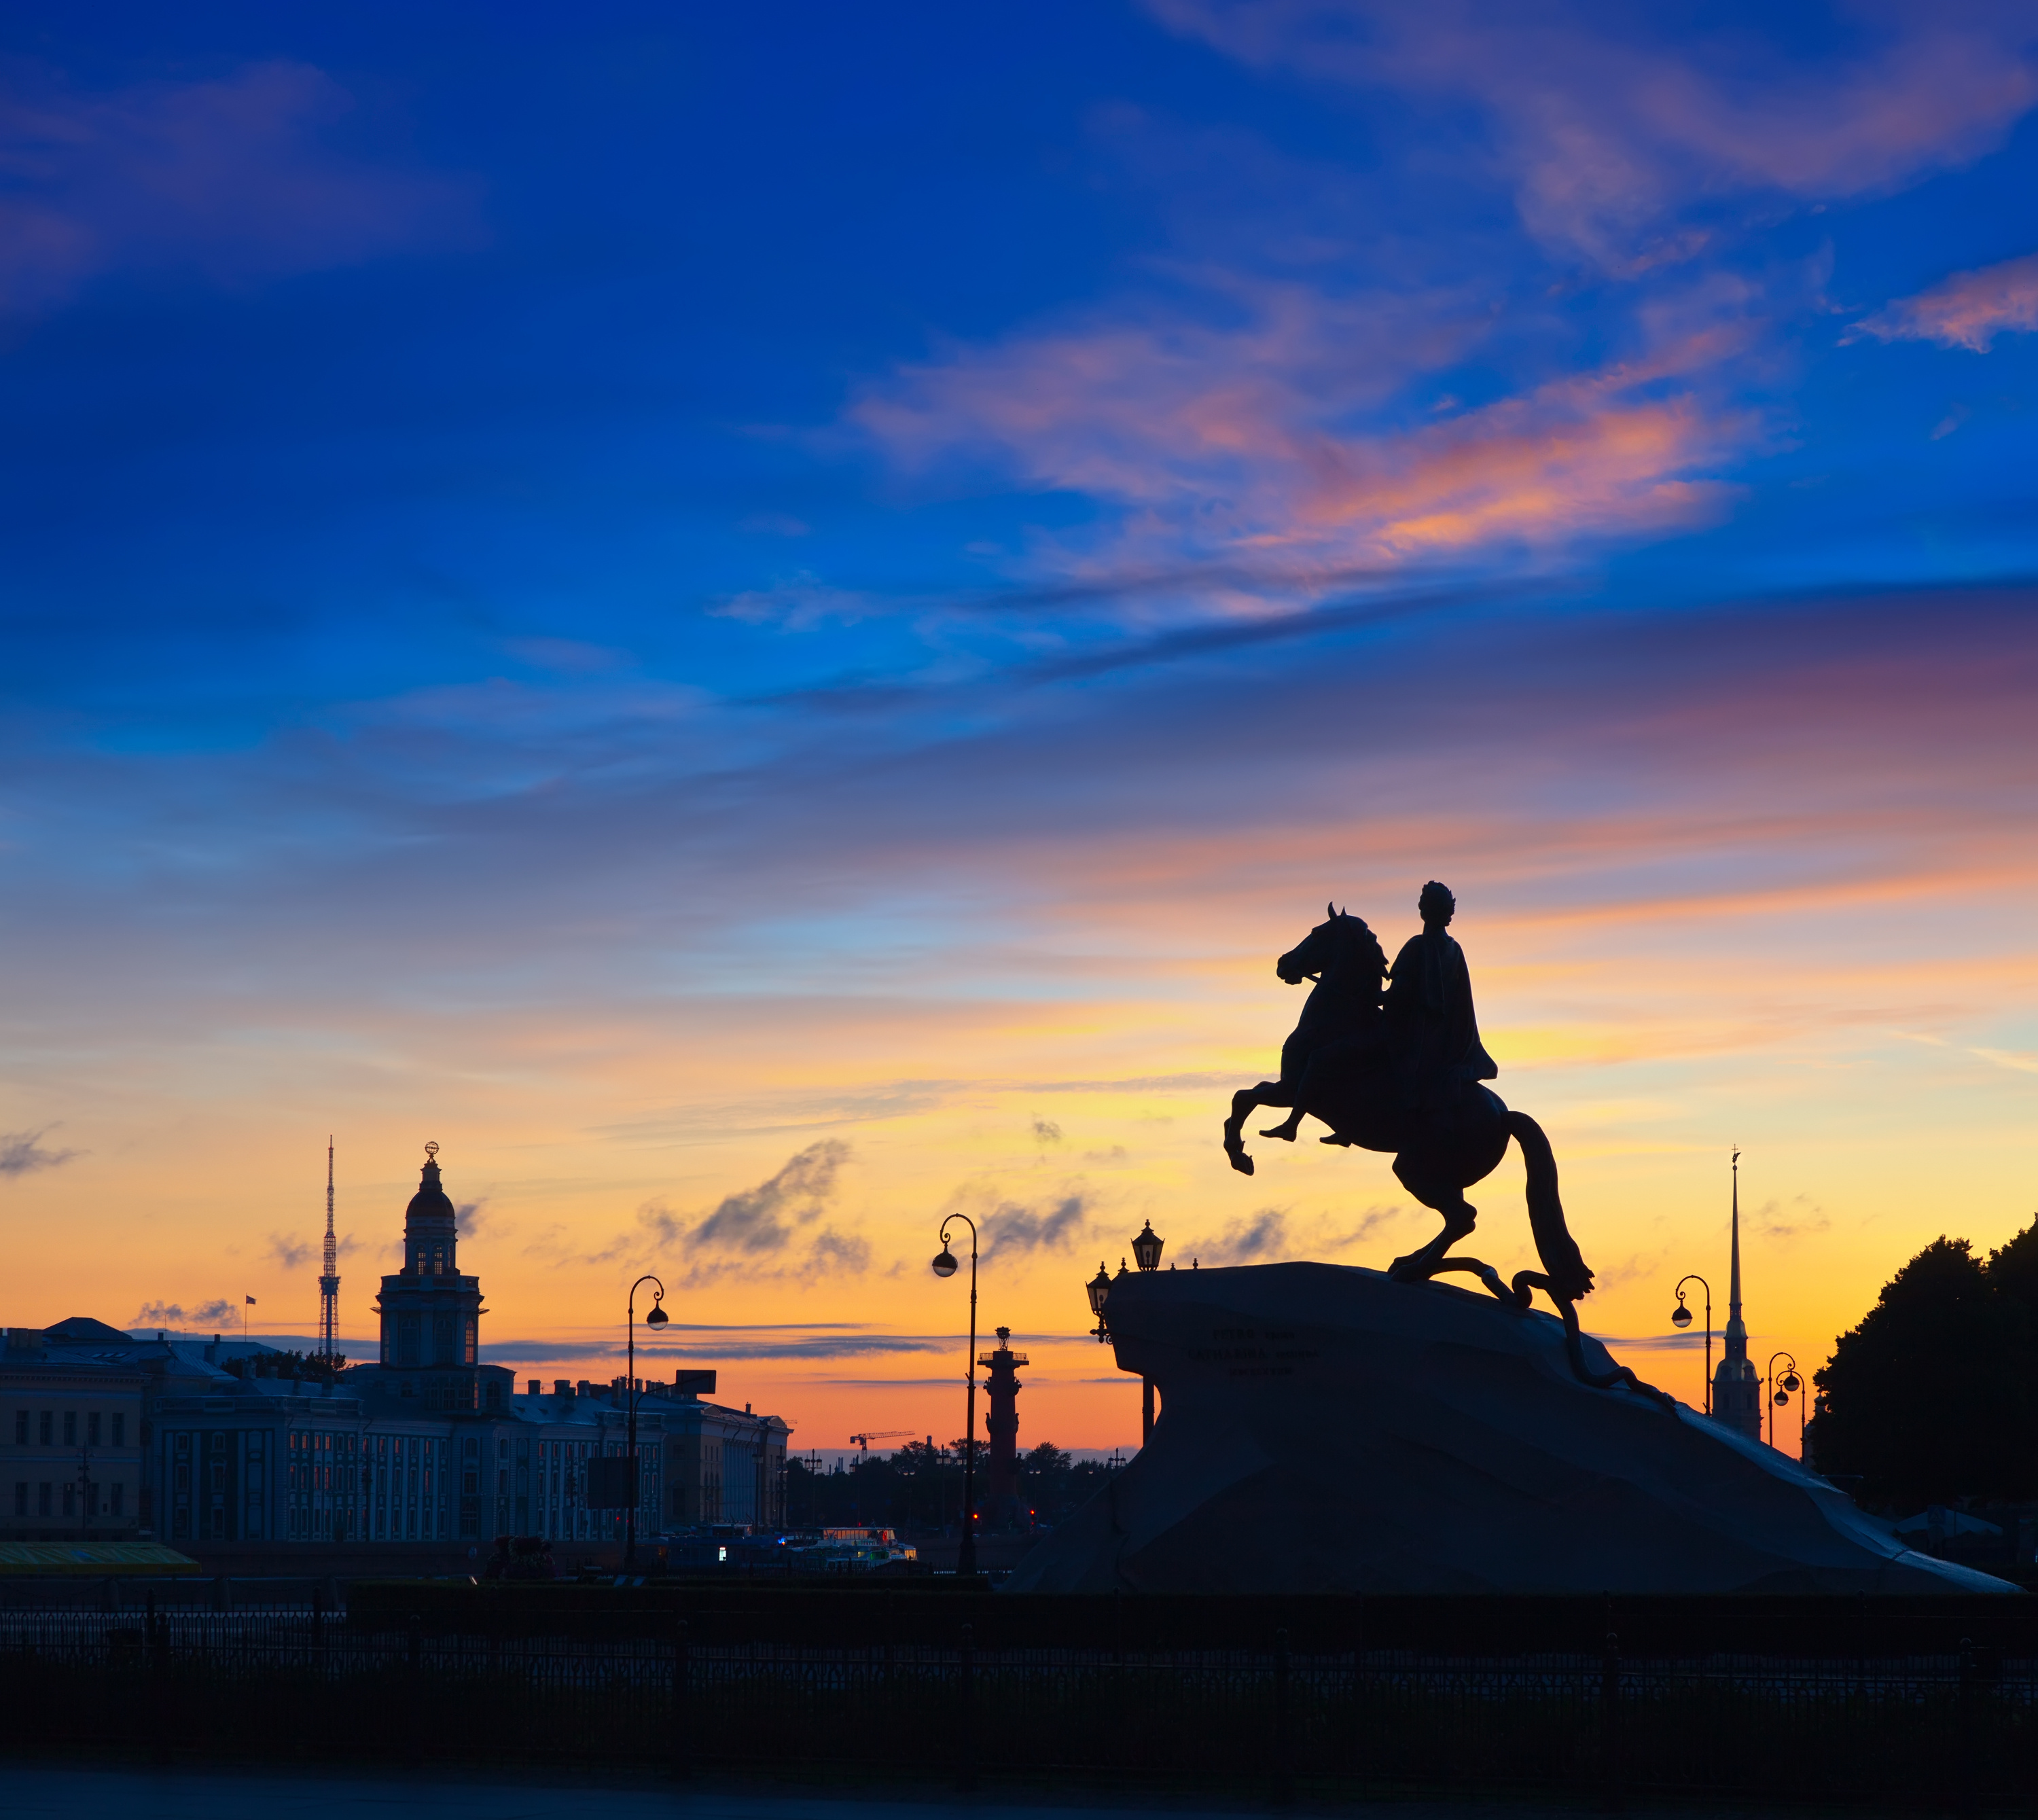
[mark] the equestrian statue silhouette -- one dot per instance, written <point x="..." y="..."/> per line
<point x="1403" y="1071"/>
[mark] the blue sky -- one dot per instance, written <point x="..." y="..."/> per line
<point x="535" y="541"/>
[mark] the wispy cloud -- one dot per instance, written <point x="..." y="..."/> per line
<point x="1612" y="126"/>
<point x="799" y="603"/>
<point x="227" y="176"/>
<point x="754" y="1234"/>
<point x="1260" y="1238"/>
<point x="1054" y="1224"/>
<point x="2019" y="1061"/>
<point x="22" y="1153"/>
<point x="815" y="1346"/>
<point x="1221" y="442"/>
<point x="1970" y="310"/>
<point x="1794" y="1218"/>
<point x="217" y="1313"/>
<point x="762" y="1219"/>
<point x="288" y="1252"/>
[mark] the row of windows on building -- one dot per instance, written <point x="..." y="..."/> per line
<point x="42" y="1424"/>
<point x="338" y="1486"/>
<point x="91" y="1498"/>
<point x="451" y="1333"/>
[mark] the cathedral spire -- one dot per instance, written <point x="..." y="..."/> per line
<point x="1736" y="1390"/>
<point x="1736" y="1328"/>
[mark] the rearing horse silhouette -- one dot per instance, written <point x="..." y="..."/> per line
<point x="1336" y="1066"/>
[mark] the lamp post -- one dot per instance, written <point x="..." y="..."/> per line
<point x="1681" y="1319"/>
<point x="1099" y="1289"/>
<point x="945" y="1266"/>
<point x="1779" y="1395"/>
<point x="656" y="1318"/>
<point x="1146" y="1254"/>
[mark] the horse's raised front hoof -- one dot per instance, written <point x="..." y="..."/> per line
<point x="1337" y="1138"/>
<point x="1280" y="1131"/>
<point x="1240" y="1160"/>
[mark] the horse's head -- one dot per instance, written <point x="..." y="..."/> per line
<point x="1340" y="938"/>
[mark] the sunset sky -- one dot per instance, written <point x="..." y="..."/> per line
<point x="761" y="621"/>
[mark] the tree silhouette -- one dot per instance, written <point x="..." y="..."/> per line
<point x="1930" y="1399"/>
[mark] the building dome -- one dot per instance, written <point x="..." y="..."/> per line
<point x="430" y="1205"/>
<point x="430" y="1225"/>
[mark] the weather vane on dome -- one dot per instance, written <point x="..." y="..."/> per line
<point x="432" y="1151"/>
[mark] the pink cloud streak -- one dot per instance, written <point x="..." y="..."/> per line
<point x="1245" y="439"/>
<point x="224" y="176"/>
<point x="1604" y="135"/>
<point x="1970" y="310"/>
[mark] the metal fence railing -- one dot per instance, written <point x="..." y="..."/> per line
<point x="223" y="1686"/>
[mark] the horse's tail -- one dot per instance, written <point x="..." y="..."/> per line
<point x="1563" y="1263"/>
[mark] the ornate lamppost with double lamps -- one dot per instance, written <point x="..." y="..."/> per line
<point x="1780" y="1391"/>
<point x="1146" y="1250"/>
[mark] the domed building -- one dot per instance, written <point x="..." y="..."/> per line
<point x="431" y="1314"/>
<point x="430" y="1448"/>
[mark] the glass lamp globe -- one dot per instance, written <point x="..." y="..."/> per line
<point x="1146" y="1247"/>
<point x="946" y="1264"/>
<point x="1682" y="1318"/>
<point x="657" y="1317"/>
<point x="1100" y="1288"/>
<point x="1789" y="1380"/>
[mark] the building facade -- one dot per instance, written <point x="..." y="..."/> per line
<point x="427" y="1444"/>
<point x="70" y="1440"/>
<point x="287" y="1461"/>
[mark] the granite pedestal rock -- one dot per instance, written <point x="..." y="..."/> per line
<point x="1325" y="1429"/>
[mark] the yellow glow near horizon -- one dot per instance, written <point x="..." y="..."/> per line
<point x="1863" y="1139"/>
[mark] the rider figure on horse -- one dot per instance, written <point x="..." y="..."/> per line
<point x="1432" y="1030"/>
<point x="1401" y="1072"/>
<point x="1408" y="1054"/>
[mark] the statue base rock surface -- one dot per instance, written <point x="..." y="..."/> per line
<point x="1323" y="1429"/>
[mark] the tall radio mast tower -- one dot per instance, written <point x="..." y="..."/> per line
<point x="329" y="1282"/>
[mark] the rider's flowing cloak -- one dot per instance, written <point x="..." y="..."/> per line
<point x="1432" y="1031"/>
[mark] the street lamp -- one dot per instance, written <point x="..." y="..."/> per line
<point x="1682" y="1318"/>
<point x="1779" y="1397"/>
<point x="1099" y="1291"/>
<point x="945" y="1266"/>
<point x="1146" y="1254"/>
<point x="654" y="1319"/>
<point x="1146" y="1248"/>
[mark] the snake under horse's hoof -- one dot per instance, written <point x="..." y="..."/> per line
<point x="1517" y="1296"/>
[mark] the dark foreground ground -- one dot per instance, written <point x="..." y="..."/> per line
<point x="28" y="1792"/>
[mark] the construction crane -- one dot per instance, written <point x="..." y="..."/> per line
<point x="864" y="1441"/>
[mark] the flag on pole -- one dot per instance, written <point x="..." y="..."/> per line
<point x="251" y="1302"/>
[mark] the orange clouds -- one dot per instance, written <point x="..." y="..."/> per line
<point x="1970" y="310"/>
<point x="1253" y="439"/>
<point x="1566" y="462"/>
